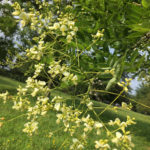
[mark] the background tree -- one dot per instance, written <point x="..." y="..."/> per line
<point x="143" y="96"/>
<point x="13" y="42"/>
<point x="8" y="28"/>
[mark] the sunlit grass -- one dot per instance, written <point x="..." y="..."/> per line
<point x="8" y="84"/>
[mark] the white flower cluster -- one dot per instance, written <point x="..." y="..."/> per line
<point x="65" y="27"/>
<point x="122" y="125"/>
<point x="123" y="139"/>
<point x="86" y="100"/>
<point x="99" y="34"/>
<point x="57" y="100"/>
<point x="21" y="102"/>
<point x="77" y="144"/>
<point x="64" y="24"/>
<point x="126" y="106"/>
<point x="36" y="86"/>
<point x="97" y="126"/>
<point x="30" y="127"/>
<point x="41" y="107"/>
<point x="21" y="90"/>
<point x="68" y="115"/>
<point x="38" y="69"/>
<point x="17" y="9"/>
<point x="102" y="144"/>
<point x="120" y="139"/>
<point x="57" y="69"/>
<point x="23" y="16"/>
<point x="88" y="123"/>
<point x="71" y="120"/>
<point x="33" y="87"/>
<point x="37" y="51"/>
<point x="69" y="77"/>
<point x="4" y="96"/>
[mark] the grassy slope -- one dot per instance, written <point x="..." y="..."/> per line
<point x="8" y="84"/>
<point x="12" y="137"/>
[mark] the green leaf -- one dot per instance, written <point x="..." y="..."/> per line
<point x="143" y="27"/>
<point x="146" y="3"/>
<point x="111" y="83"/>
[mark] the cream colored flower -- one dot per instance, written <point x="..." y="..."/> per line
<point x="56" y="25"/>
<point x="34" y="92"/>
<point x="118" y="135"/>
<point x="30" y="127"/>
<point x="16" y="13"/>
<point x="98" y="125"/>
<point x="57" y="106"/>
<point x="4" y="96"/>
<point x="63" y="28"/>
<point x="80" y="146"/>
<point x="89" y="105"/>
<point x="102" y="144"/>
<point x="69" y="38"/>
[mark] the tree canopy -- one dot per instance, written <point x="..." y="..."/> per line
<point x="84" y="43"/>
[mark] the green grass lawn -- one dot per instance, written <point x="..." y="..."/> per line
<point x="8" y="84"/>
<point x="12" y="137"/>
